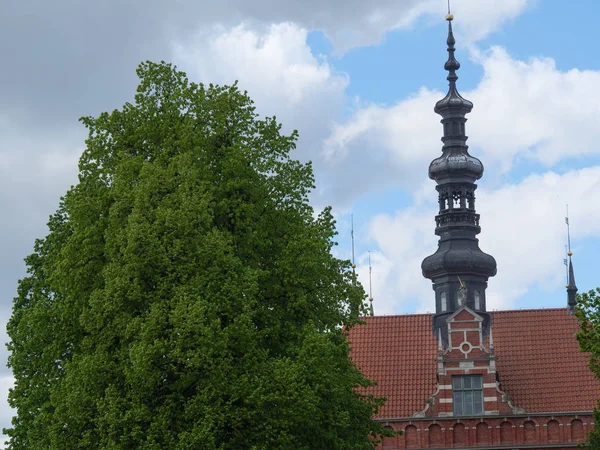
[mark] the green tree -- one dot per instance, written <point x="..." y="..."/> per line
<point x="185" y="296"/>
<point x="588" y="313"/>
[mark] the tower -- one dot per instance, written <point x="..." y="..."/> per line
<point x="458" y="269"/>
<point x="571" y="287"/>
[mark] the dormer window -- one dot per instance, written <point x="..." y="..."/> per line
<point x="477" y="296"/>
<point x="443" y="302"/>
<point x="467" y="395"/>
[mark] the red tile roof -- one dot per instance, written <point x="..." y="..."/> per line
<point x="538" y="361"/>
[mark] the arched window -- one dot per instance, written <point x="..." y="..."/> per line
<point x="411" y="439"/>
<point x="529" y="432"/>
<point x="477" y="300"/>
<point x="577" y="431"/>
<point x="553" y="429"/>
<point x="483" y="433"/>
<point x="443" y="302"/>
<point x="460" y="434"/>
<point x="506" y="433"/>
<point x="435" y="435"/>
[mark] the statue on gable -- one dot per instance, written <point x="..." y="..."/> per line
<point x="462" y="293"/>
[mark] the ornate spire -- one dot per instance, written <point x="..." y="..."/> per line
<point x="571" y="286"/>
<point x="458" y="256"/>
<point x="453" y="103"/>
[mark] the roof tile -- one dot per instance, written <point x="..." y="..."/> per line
<point x="538" y="361"/>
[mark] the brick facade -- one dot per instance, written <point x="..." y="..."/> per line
<point x="503" y="424"/>
<point x="500" y="432"/>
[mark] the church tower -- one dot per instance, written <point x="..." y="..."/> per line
<point x="458" y="269"/>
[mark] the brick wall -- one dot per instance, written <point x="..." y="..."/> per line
<point x="502" y="425"/>
<point x="550" y="431"/>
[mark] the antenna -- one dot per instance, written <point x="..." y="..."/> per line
<point x="352" y="236"/>
<point x="566" y="262"/>
<point x="448" y="6"/>
<point x="370" y="287"/>
<point x="370" y="280"/>
<point x="568" y="230"/>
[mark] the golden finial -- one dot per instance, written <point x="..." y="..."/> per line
<point x="370" y="299"/>
<point x="354" y="266"/>
<point x="449" y="16"/>
<point x="570" y="253"/>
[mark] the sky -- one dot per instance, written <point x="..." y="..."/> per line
<point x="358" y="80"/>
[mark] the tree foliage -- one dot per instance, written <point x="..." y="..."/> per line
<point x="588" y="313"/>
<point x="185" y="296"/>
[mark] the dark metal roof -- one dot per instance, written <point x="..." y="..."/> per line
<point x="455" y="171"/>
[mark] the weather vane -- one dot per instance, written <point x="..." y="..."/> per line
<point x="568" y="251"/>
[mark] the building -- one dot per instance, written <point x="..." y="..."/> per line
<point x="465" y="377"/>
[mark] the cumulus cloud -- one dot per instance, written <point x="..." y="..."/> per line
<point x="523" y="228"/>
<point x="278" y="69"/>
<point x="531" y="109"/>
<point x="396" y="143"/>
<point x="523" y="110"/>
<point x="284" y="78"/>
<point x="66" y="59"/>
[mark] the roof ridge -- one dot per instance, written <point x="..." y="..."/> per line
<point x="493" y="311"/>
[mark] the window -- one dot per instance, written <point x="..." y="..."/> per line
<point x="467" y="395"/>
<point x="477" y="300"/>
<point x="443" y="302"/>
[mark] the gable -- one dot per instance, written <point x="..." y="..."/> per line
<point x="538" y="361"/>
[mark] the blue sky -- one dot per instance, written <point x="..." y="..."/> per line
<point x="409" y="59"/>
<point x="359" y="81"/>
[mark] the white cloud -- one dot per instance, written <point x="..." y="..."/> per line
<point x="281" y="74"/>
<point x="275" y="65"/>
<point x="384" y="146"/>
<point x="356" y="23"/>
<point x="533" y="110"/>
<point x="403" y="240"/>
<point x="523" y="110"/>
<point x="523" y="228"/>
<point x="480" y="18"/>
<point x="87" y="70"/>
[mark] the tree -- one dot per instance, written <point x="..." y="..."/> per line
<point x="185" y="296"/>
<point x="588" y="313"/>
